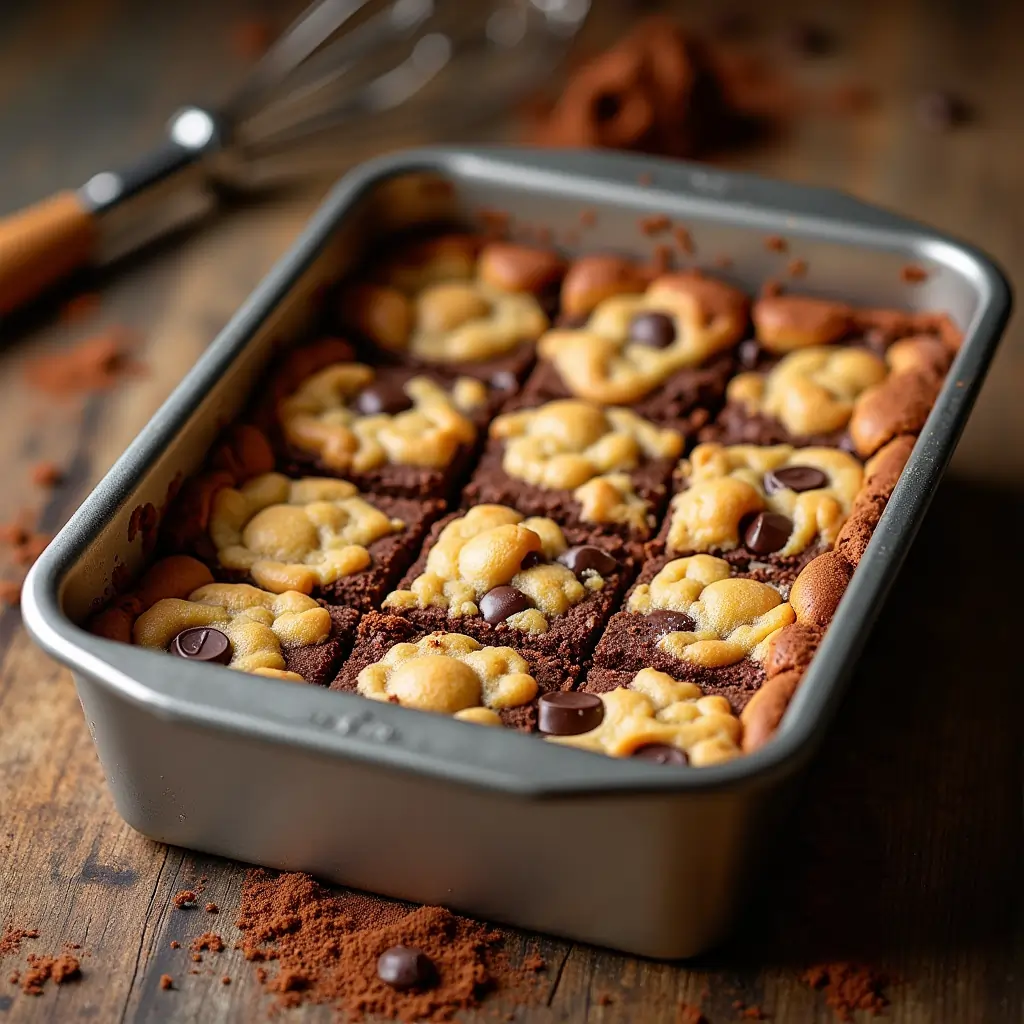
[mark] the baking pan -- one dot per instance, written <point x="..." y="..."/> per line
<point x="621" y="853"/>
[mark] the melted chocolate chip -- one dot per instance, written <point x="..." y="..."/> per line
<point x="768" y="532"/>
<point x="588" y="558"/>
<point x="569" y="714"/>
<point x="661" y="753"/>
<point x="531" y="559"/>
<point x="664" y="621"/>
<point x="382" y="397"/>
<point x="796" y="478"/>
<point x="655" y="330"/>
<point x="501" y="602"/>
<point x="202" y="643"/>
<point x="404" y="967"/>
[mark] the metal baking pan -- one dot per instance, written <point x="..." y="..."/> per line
<point x="420" y="806"/>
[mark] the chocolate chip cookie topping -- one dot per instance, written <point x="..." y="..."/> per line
<point x="256" y="625"/>
<point x="296" y="534"/>
<point x="343" y="419"/>
<point x="631" y="343"/>
<point x="727" y="619"/>
<point x="477" y="568"/>
<point x="440" y="303"/>
<point x="451" y="674"/>
<point x="726" y="497"/>
<point x="657" y="710"/>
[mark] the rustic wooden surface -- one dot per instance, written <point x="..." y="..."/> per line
<point x="905" y="850"/>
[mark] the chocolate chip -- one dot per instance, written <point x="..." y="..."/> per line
<point x="404" y="967"/>
<point x="382" y="397"/>
<point x="661" y="753"/>
<point x="504" y="380"/>
<point x="531" y="559"/>
<point x="655" y="330"/>
<point x="501" y="602"/>
<point x="569" y="714"/>
<point x="665" y="621"/>
<point x="940" y="110"/>
<point x="588" y="558"/>
<point x="747" y="353"/>
<point x="796" y="478"/>
<point x="768" y="532"/>
<point x="202" y="643"/>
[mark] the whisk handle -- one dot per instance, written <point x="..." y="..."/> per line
<point x="43" y="244"/>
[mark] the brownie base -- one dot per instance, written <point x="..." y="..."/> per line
<point x="491" y="485"/>
<point x="737" y="683"/>
<point x="687" y="401"/>
<point x="378" y="633"/>
<point x="319" y="663"/>
<point x="570" y="637"/>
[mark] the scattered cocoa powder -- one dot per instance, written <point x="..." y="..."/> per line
<point x="690" y="1014"/>
<point x="684" y="240"/>
<point x="534" y="962"/>
<point x="748" y="1012"/>
<point x="175" y="944"/>
<point x="47" y="474"/>
<point x="655" y="224"/>
<point x="605" y="999"/>
<point x="196" y="958"/>
<point x="797" y="268"/>
<point x="166" y="981"/>
<point x="12" y="938"/>
<point x="771" y="288"/>
<point x="13" y="534"/>
<point x="326" y="946"/>
<point x="14" y="977"/>
<point x="41" y="969"/>
<point x="225" y="980"/>
<point x="662" y="259"/>
<point x="212" y="908"/>
<point x="588" y="218"/>
<point x="912" y="274"/>
<point x="31" y="548"/>
<point x="848" y="988"/>
<point x="776" y="243"/>
<point x="185" y="898"/>
<point x="210" y="941"/>
<point x="95" y="364"/>
<point x="250" y="39"/>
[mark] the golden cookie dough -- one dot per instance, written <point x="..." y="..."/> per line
<point x="258" y="624"/>
<point x="317" y="419"/>
<point x="733" y="618"/>
<point x="811" y="390"/>
<point x="597" y="361"/>
<point x="296" y="534"/>
<point x="570" y="444"/>
<point x="655" y="708"/>
<point x="726" y="483"/>
<point x="453" y="675"/>
<point x="484" y="549"/>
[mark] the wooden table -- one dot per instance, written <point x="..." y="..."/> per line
<point x="906" y="847"/>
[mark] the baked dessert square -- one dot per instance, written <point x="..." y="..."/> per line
<point x="315" y="535"/>
<point x="179" y="608"/>
<point x="448" y="672"/>
<point x="454" y="302"/>
<point x="824" y="373"/>
<point x="602" y="469"/>
<point x="506" y="578"/>
<point x="697" y="619"/>
<point x="767" y="511"/>
<point x="662" y="346"/>
<point x="391" y="430"/>
<point x="652" y="716"/>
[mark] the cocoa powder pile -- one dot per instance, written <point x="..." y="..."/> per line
<point x="848" y="988"/>
<point x="326" y="947"/>
<point x="95" y="364"/>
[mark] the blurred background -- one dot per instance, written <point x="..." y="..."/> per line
<point x="914" y="104"/>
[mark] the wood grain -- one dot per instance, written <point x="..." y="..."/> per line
<point x="905" y="849"/>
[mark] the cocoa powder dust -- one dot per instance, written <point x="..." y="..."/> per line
<point x="326" y="947"/>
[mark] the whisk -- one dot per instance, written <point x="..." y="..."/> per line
<point x="342" y="75"/>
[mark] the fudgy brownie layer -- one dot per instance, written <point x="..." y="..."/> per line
<point x="490" y="484"/>
<point x="735" y="425"/>
<point x="570" y="637"/>
<point x="378" y="633"/>
<point x="737" y="683"/>
<point x="318" y="664"/>
<point x="687" y="401"/>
